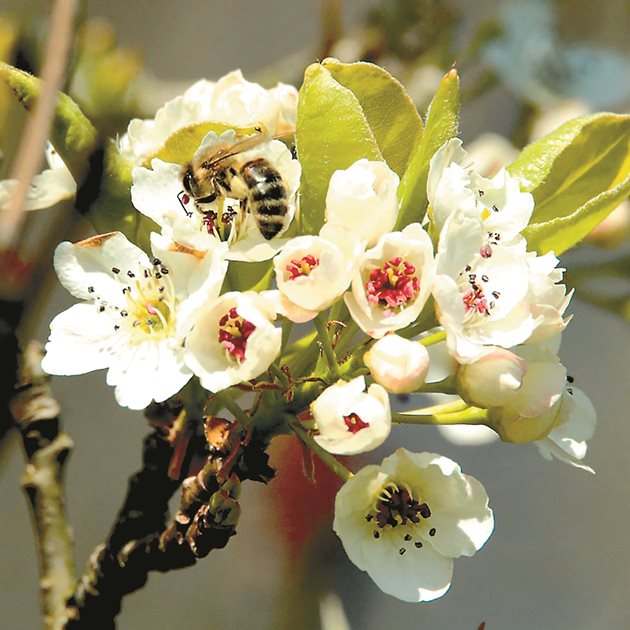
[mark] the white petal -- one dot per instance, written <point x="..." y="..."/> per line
<point x="48" y="188"/>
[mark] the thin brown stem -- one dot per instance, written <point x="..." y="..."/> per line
<point x="35" y="133"/>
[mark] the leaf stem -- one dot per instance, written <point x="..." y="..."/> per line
<point x="337" y="467"/>
<point x="233" y="407"/>
<point x="471" y="415"/>
<point x="431" y="340"/>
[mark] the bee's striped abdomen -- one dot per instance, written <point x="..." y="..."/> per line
<point x="267" y="196"/>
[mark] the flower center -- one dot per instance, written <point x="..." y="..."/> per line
<point x="476" y="302"/>
<point x="302" y="267"/>
<point x="234" y="331"/>
<point x="354" y="423"/>
<point x="393" y="284"/>
<point x="218" y="218"/>
<point x="149" y="312"/>
<point x="395" y="506"/>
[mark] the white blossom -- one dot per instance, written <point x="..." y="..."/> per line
<point x="574" y="425"/>
<point x="406" y="520"/>
<point x="398" y="364"/>
<point x="134" y="315"/>
<point x="351" y="420"/>
<point x="314" y="271"/>
<point x="233" y="340"/>
<point x="480" y="301"/>
<point x="363" y="197"/>
<point x="499" y="203"/>
<point x="158" y="193"/>
<point x="393" y="281"/>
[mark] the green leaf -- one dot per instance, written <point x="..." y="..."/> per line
<point x="442" y="125"/>
<point x="332" y="133"/>
<point x="581" y="159"/>
<point x="182" y="144"/>
<point x="390" y="112"/>
<point x="564" y="232"/>
<point x="249" y="276"/>
<point x="577" y="174"/>
<point x="72" y="134"/>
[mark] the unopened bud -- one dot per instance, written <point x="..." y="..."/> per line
<point x="399" y="365"/>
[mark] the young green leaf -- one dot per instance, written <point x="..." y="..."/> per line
<point x="442" y="125"/>
<point x="389" y="110"/>
<point x="72" y="134"/>
<point x="564" y="232"/>
<point x="575" y="163"/>
<point x="332" y="133"/>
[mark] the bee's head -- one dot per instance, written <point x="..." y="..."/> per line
<point x="188" y="181"/>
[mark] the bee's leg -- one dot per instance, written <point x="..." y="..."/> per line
<point x="183" y="199"/>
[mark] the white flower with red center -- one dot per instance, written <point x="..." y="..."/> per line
<point x="393" y="281"/>
<point x="351" y="420"/>
<point x="364" y="198"/>
<point x="574" y="425"/>
<point x="233" y="340"/>
<point x="481" y="301"/>
<point x="314" y="271"/>
<point x="504" y="210"/>
<point x="398" y="364"/>
<point x="159" y="194"/>
<point x="231" y="100"/>
<point x="134" y="316"/>
<point x="406" y="520"/>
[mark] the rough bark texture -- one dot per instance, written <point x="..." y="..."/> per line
<point x="36" y="413"/>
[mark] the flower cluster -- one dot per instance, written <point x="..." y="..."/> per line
<point x="232" y="268"/>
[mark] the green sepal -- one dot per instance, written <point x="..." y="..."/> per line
<point x="442" y="124"/>
<point x="389" y="110"/>
<point x="71" y="133"/>
<point x="577" y="174"/>
<point x="332" y="133"/>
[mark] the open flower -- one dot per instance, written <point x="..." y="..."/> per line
<point x="233" y="340"/>
<point x="481" y="300"/>
<point x="404" y="521"/>
<point x="363" y="198"/>
<point x="398" y="364"/>
<point x="393" y="281"/>
<point x="314" y="271"/>
<point x="231" y="100"/>
<point x="134" y="315"/>
<point x="351" y="420"/>
<point x="499" y="203"/>
<point x="158" y="193"/>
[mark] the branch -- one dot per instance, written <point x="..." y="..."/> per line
<point x="36" y="413"/>
<point x="141" y="539"/>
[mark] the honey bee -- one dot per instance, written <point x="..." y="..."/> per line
<point x="256" y="183"/>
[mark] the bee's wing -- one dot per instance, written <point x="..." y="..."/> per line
<point x="230" y="150"/>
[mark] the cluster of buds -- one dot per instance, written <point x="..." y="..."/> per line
<point x="208" y="314"/>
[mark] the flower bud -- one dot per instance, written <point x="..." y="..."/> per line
<point x="363" y="198"/>
<point x="513" y="427"/>
<point x="492" y="380"/>
<point x="399" y="365"/>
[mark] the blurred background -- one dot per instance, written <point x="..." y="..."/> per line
<point x="560" y="554"/>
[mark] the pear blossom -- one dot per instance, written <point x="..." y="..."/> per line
<point x="574" y="425"/>
<point x="231" y="100"/>
<point x="48" y="188"/>
<point x="158" y="193"/>
<point x="480" y="300"/>
<point x="406" y="520"/>
<point x="393" y="281"/>
<point x="134" y="315"/>
<point x="351" y="420"/>
<point x="233" y="340"/>
<point x="398" y="364"/>
<point x="363" y="197"/>
<point x="500" y="204"/>
<point x="314" y="271"/>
